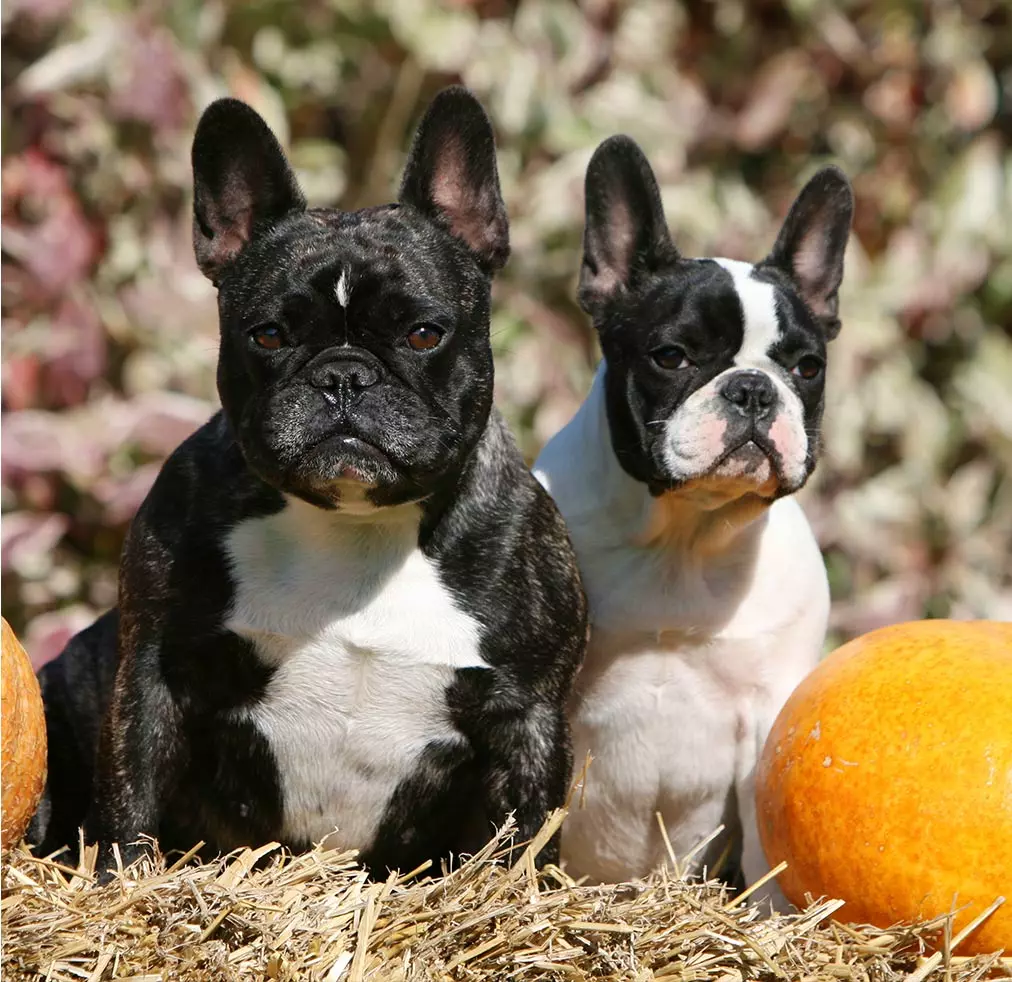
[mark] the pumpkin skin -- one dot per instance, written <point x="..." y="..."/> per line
<point x="886" y="780"/>
<point x="22" y="741"/>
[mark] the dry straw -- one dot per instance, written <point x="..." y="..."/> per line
<point x="265" y="914"/>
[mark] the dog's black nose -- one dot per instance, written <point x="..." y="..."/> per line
<point x="751" y="393"/>
<point x="345" y="373"/>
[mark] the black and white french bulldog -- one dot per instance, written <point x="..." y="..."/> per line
<point x="707" y="592"/>
<point x="345" y="603"/>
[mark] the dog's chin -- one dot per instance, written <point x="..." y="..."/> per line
<point x="747" y="470"/>
<point x="346" y="473"/>
<point x="347" y="458"/>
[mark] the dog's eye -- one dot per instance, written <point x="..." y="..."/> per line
<point x="425" y="337"/>
<point x="267" y="336"/>
<point x="670" y="357"/>
<point x="808" y="368"/>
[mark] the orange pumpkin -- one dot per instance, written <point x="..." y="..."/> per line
<point x="886" y="780"/>
<point x="22" y="741"/>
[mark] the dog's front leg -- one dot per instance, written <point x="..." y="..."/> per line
<point x="530" y="760"/>
<point x="754" y="864"/>
<point x="796" y="659"/>
<point x="764" y="712"/>
<point x="138" y="756"/>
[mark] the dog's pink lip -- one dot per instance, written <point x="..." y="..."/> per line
<point x="349" y="473"/>
<point x="757" y="444"/>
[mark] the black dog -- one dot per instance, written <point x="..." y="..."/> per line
<point x="346" y="602"/>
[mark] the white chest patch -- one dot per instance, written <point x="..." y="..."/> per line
<point x="364" y="638"/>
<point x="675" y="697"/>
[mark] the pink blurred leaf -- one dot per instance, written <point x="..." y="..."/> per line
<point x="971" y="98"/>
<point x="162" y="420"/>
<point x="39" y="442"/>
<point x="21" y="375"/>
<point x="122" y="496"/>
<point x="58" y="246"/>
<point x="892" y="100"/>
<point x="769" y="108"/>
<point x="151" y="87"/>
<point x="47" y="635"/>
<point x="25" y="535"/>
<point x="77" y="353"/>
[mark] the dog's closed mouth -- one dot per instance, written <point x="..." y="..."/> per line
<point x="351" y="458"/>
<point x="747" y="455"/>
<point x="749" y="461"/>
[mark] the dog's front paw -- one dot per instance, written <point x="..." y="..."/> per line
<point x="107" y="866"/>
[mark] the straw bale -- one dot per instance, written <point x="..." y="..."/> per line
<point x="267" y="914"/>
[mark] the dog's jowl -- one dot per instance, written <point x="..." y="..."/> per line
<point x="346" y="603"/>
<point x="708" y="596"/>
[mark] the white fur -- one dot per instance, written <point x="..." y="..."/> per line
<point x="350" y="497"/>
<point x="759" y="309"/>
<point x="343" y="289"/>
<point x="365" y="639"/>
<point x="704" y="617"/>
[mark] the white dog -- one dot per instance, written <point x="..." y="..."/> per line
<point x="707" y="591"/>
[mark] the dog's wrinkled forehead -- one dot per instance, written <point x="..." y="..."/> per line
<point x="384" y="255"/>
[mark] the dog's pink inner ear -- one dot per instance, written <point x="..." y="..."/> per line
<point x="230" y="220"/>
<point x="623" y="241"/>
<point x="812" y="243"/>
<point x="610" y="252"/>
<point x="811" y="264"/>
<point x="471" y="211"/>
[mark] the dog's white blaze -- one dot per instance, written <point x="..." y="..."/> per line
<point x="759" y="310"/>
<point x="343" y="289"/>
<point x="761" y="333"/>
<point x="364" y="638"/>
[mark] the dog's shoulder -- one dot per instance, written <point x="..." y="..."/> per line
<point x="789" y="531"/>
<point x="206" y="480"/>
<point x="502" y="505"/>
<point x="504" y="549"/>
<point x="578" y="468"/>
<point x="202" y="488"/>
<point x="176" y="539"/>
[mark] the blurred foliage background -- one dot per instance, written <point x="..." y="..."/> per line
<point x="109" y="331"/>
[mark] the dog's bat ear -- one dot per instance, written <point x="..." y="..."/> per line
<point x="451" y="176"/>
<point x="812" y="242"/>
<point x="242" y="183"/>
<point x="626" y="236"/>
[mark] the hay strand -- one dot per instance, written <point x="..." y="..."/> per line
<point x="265" y="914"/>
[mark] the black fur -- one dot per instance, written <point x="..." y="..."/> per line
<point x="342" y="397"/>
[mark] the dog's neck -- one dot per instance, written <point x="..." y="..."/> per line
<point x="315" y="528"/>
<point x="699" y="522"/>
<point x="677" y="521"/>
